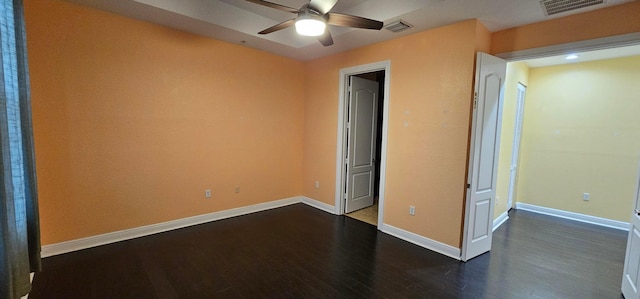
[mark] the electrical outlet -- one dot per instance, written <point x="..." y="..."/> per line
<point x="412" y="210"/>
<point x="586" y="196"/>
<point x="317" y="184"/>
<point x="207" y="193"/>
<point x="237" y="189"/>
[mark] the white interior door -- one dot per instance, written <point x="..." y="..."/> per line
<point x="483" y="155"/>
<point x="361" y="136"/>
<point x="517" y="137"/>
<point x="631" y="273"/>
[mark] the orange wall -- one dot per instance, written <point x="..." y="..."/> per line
<point x="133" y="121"/>
<point x="483" y="38"/>
<point x="429" y="112"/>
<point x="616" y="20"/>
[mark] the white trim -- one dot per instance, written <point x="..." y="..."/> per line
<point x="127" y="234"/>
<point x="500" y="220"/>
<point x="574" y="216"/>
<point x="581" y="46"/>
<point x="421" y="241"/>
<point x="318" y="205"/>
<point x="385" y="138"/>
<point x="344" y="75"/>
<point x="108" y="238"/>
<point x="521" y="92"/>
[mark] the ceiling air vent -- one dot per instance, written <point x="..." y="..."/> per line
<point x="552" y="7"/>
<point x="398" y="26"/>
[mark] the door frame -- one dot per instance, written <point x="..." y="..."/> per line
<point x="345" y="73"/>
<point x="610" y="42"/>
<point x="569" y="48"/>
<point x="517" y="142"/>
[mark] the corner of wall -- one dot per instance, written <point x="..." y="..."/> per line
<point x="483" y="38"/>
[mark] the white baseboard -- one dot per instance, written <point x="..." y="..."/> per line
<point x="421" y="241"/>
<point x="103" y="239"/>
<point x="500" y="220"/>
<point x="574" y="216"/>
<point x="93" y="241"/>
<point x="319" y="205"/>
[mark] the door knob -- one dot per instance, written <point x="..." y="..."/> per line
<point x="637" y="212"/>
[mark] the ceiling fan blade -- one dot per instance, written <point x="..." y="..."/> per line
<point x="353" y="21"/>
<point x="275" y="5"/>
<point x="283" y="25"/>
<point x="322" y="6"/>
<point x="326" y="39"/>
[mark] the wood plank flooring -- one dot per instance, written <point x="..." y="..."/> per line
<point x="301" y="252"/>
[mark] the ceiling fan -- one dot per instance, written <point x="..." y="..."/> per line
<point x="314" y="17"/>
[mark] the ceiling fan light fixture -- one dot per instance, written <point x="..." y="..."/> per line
<point x="310" y="26"/>
<point x="314" y="17"/>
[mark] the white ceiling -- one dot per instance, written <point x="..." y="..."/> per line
<point x="238" y="21"/>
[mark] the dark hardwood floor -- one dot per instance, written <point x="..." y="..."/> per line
<point x="301" y="252"/>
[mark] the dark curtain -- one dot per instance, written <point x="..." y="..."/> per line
<point x="19" y="224"/>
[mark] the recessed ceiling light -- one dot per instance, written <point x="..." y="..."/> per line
<point x="571" y="57"/>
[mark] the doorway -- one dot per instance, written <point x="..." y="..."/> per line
<point x="360" y="169"/>
<point x="366" y="103"/>
<point x="605" y="43"/>
<point x="575" y="161"/>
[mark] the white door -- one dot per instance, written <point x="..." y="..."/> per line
<point x="361" y="136"/>
<point x="631" y="273"/>
<point x="483" y="155"/>
<point x="517" y="137"/>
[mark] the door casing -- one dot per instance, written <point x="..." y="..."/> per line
<point x="341" y="142"/>
<point x="517" y="138"/>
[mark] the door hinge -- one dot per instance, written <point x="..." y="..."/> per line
<point x="475" y="100"/>
<point x="468" y="186"/>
